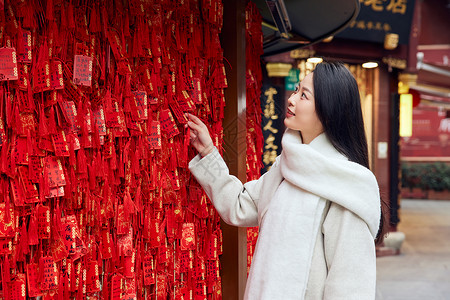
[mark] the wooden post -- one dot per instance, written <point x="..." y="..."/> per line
<point x="234" y="258"/>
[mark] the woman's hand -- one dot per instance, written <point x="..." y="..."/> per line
<point x="199" y="136"/>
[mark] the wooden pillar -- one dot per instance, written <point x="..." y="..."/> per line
<point x="234" y="258"/>
<point x="382" y="130"/>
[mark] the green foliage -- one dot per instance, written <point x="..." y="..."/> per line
<point x="427" y="176"/>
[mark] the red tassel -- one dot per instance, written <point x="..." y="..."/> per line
<point x="126" y="25"/>
<point x="49" y="11"/>
<point x="92" y="178"/>
<point x="52" y="122"/>
<point x="43" y="130"/>
<point x="70" y="16"/>
<point x="128" y="204"/>
<point x="81" y="161"/>
<point x="64" y="23"/>
<point x="94" y="21"/>
<point x="32" y="231"/>
<point x="72" y="159"/>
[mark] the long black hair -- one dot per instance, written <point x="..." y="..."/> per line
<point x="338" y="107"/>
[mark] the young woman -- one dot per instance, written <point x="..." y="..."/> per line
<point x="318" y="208"/>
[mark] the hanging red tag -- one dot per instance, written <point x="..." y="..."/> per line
<point x="106" y="245"/>
<point x="56" y="77"/>
<point x="116" y="287"/>
<point x="168" y="124"/>
<point x="55" y="172"/>
<point x="60" y="144"/>
<point x="92" y="280"/>
<point x="123" y="223"/>
<point x="55" y="192"/>
<point x="5" y="246"/>
<point x="43" y="221"/>
<point x="41" y="79"/>
<point x="20" y="150"/>
<point x="18" y="287"/>
<point x="99" y="117"/>
<point x="130" y="288"/>
<point x="8" y="64"/>
<point x="17" y="192"/>
<point x="49" y="274"/>
<point x="24" y="79"/>
<point x="149" y="270"/>
<point x="188" y="237"/>
<point x="129" y="262"/>
<point x="161" y="286"/>
<point x="125" y="243"/>
<point x="32" y="280"/>
<point x="142" y="105"/>
<point x="25" y="47"/>
<point x="82" y="70"/>
<point x="70" y="113"/>
<point x="154" y="137"/>
<point x="57" y="248"/>
<point x="7" y="227"/>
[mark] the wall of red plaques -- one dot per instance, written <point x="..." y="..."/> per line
<point x="95" y="197"/>
<point x="255" y="140"/>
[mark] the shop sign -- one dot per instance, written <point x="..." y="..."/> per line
<point x="379" y="17"/>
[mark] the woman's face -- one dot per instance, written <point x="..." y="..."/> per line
<point x="301" y="111"/>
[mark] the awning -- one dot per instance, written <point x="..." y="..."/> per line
<point x="290" y="24"/>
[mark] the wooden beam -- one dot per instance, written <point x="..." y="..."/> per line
<point x="234" y="258"/>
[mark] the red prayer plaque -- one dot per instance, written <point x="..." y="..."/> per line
<point x="130" y="287"/>
<point x="196" y="93"/>
<point x="55" y="192"/>
<point x="92" y="280"/>
<point x="49" y="274"/>
<point x="116" y="287"/>
<point x="24" y="79"/>
<point x="55" y="172"/>
<point x="6" y="246"/>
<point x="32" y="280"/>
<point x="24" y="47"/>
<point x="7" y="227"/>
<point x="41" y="79"/>
<point x="2" y="132"/>
<point x="125" y="243"/>
<point x="70" y="113"/>
<point x="99" y="117"/>
<point x="188" y="237"/>
<point x="58" y="248"/>
<point x="82" y="70"/>
<point x="106" y="244"/>
<point x="60" y="144"/>
<point x="18" y="287"/>
<point x="178" y="112"/>
<point x="149" y="273"/>
<point x="29" y="188"/>
<point x="154" y="137"/>
<point x="56" y="79"/>
<point x="8" y="64"/>
<point x="168" y="124"/>
<point x="20" y="151"/>
<point x="141" y="103"/>
<point x="17" y="192"/>
<point x="34" y="168"/>
<point x="43" y="222"/>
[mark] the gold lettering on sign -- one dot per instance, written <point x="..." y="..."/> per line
<point x="270" y="153"/>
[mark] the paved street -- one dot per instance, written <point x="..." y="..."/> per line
<point x="422" y="270"/>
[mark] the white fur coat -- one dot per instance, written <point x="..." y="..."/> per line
<point x="318" y="215"/>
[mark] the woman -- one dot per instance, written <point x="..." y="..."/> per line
<point x="318" y="208"/>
